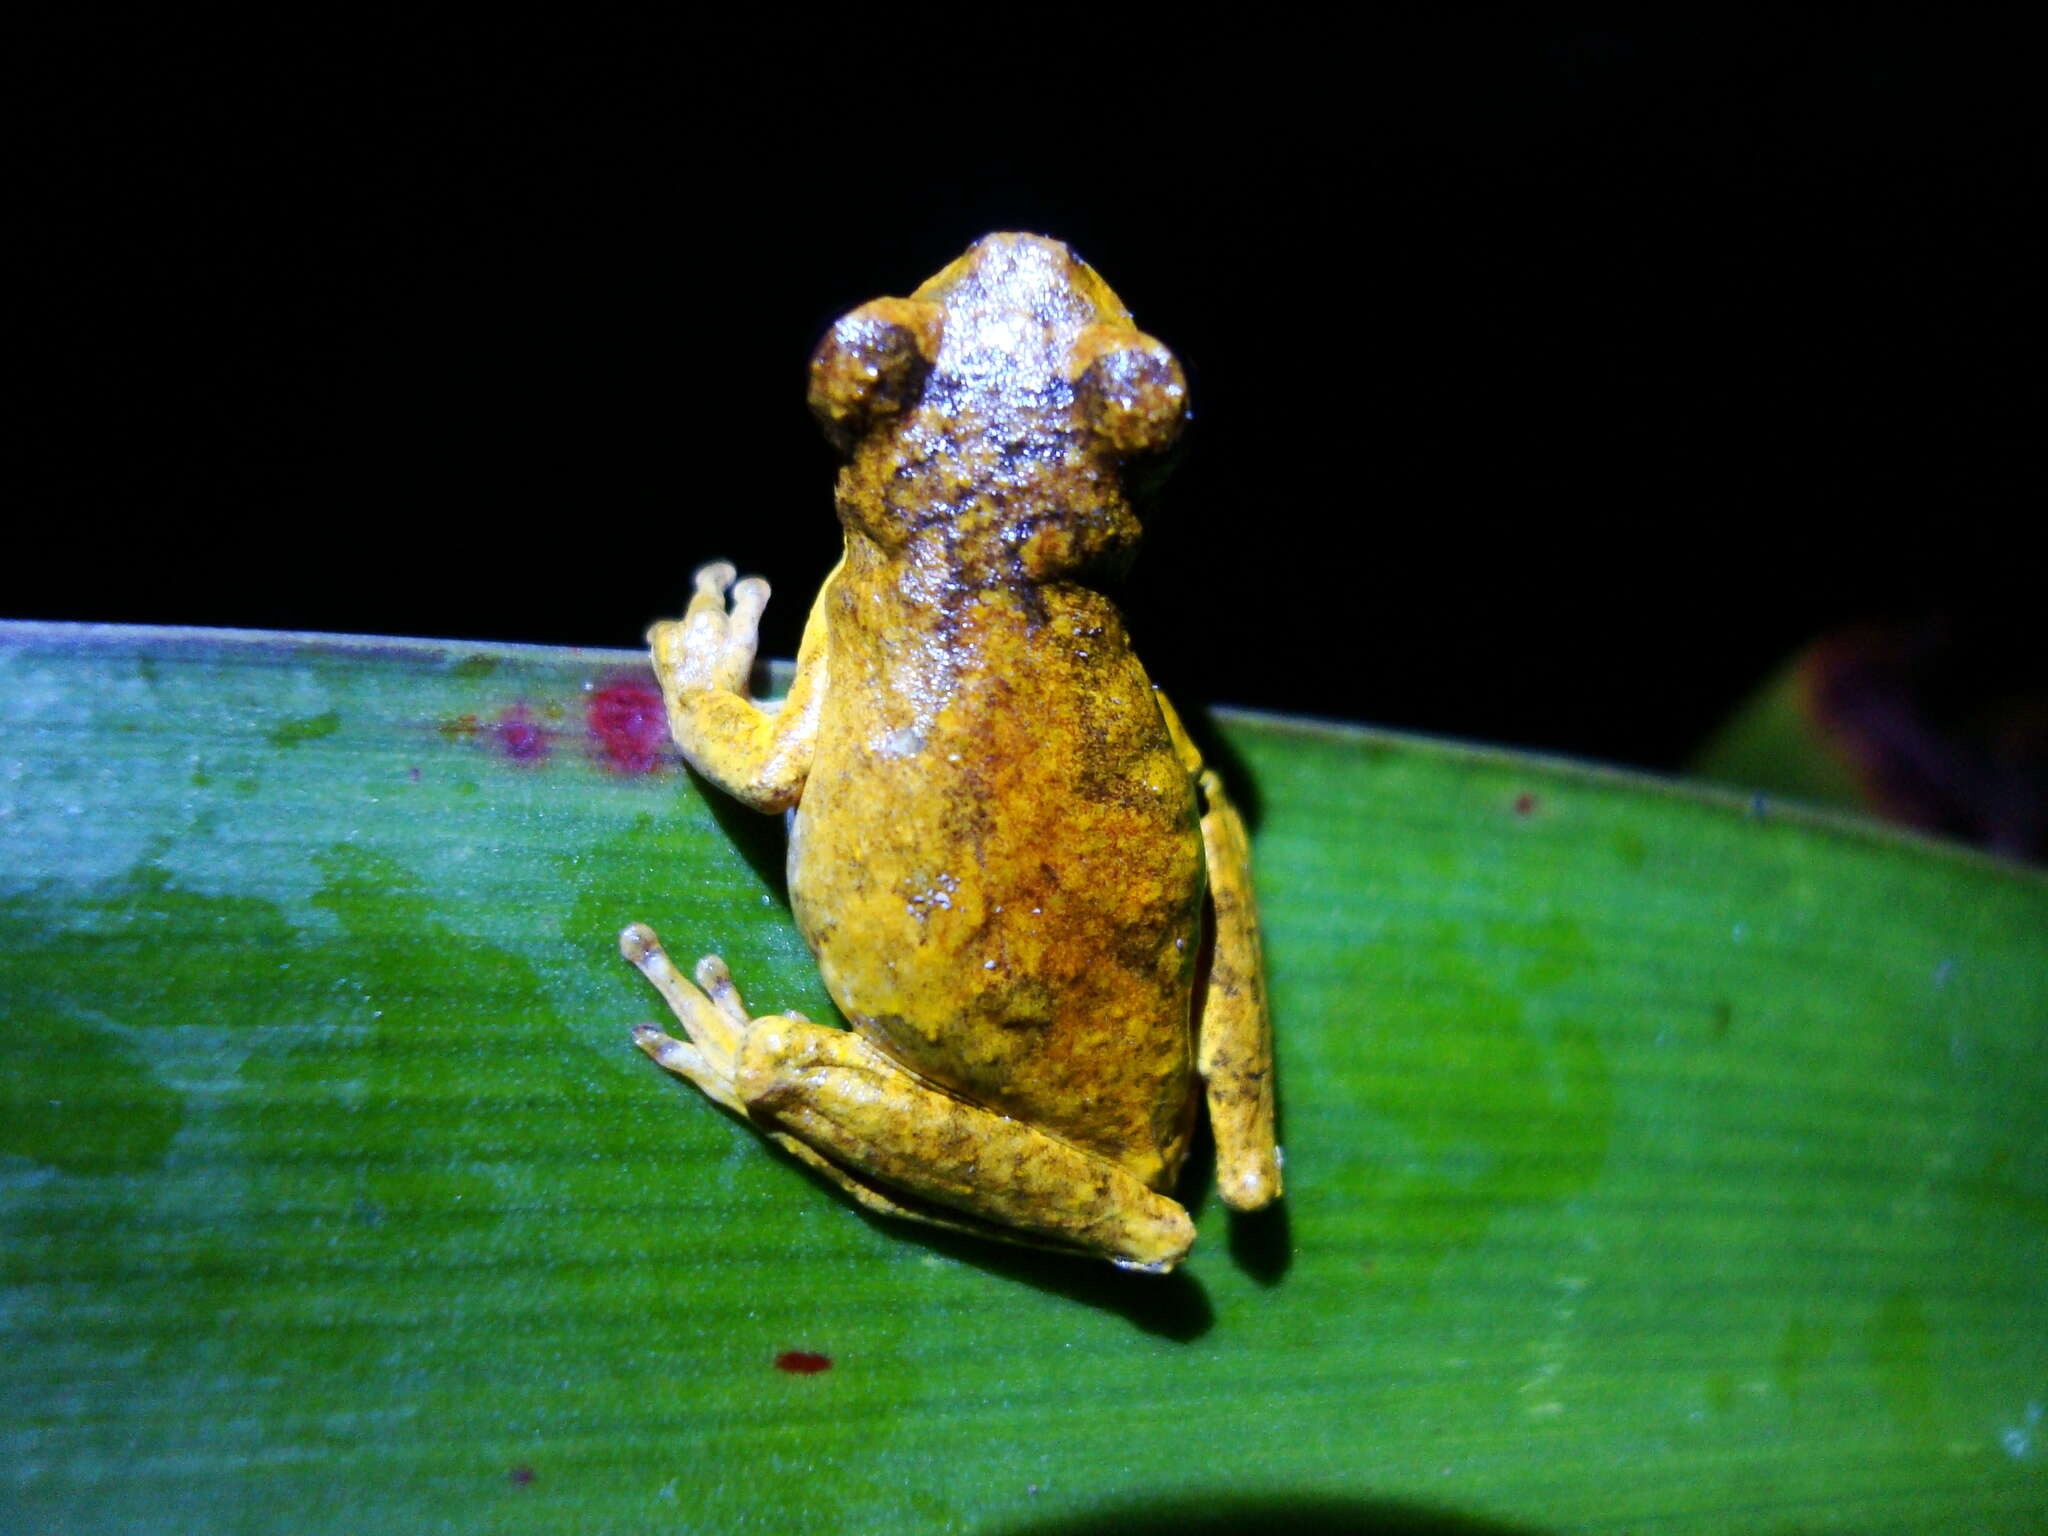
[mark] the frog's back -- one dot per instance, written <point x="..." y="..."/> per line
<point x="998" y="863"/>
<point x="996" y="856"/>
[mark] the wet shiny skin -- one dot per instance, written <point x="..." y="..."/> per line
<point x="999" y="846"/>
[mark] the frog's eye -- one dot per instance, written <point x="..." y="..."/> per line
<point x="1131" y="389"/>
<point x="871" y="365"/>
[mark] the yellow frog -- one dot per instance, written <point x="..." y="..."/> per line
<point x="1000" y="837"/>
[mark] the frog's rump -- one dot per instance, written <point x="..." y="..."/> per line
<point x="998" y="863"/>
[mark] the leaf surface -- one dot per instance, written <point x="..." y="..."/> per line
<point x="1658" y="1159"/>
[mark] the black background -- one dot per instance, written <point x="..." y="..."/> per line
<point x="1555" y="376"/>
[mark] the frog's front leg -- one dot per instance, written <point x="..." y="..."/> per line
<point x="851" y="1112"/>
<point x="1234" y="1035"/>
<point x="702" y="661"/>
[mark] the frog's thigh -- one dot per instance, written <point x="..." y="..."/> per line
<point x="843" y="1098"/>
<point x="1234" y="1036"/>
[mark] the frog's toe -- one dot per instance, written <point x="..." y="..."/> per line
<point x="718" y="985"/>
<point x="651" y="1039"/>
<point x="1251" y="1188"/>
<point x="685" y="1060"/>
<point x="1146" y="1267"/>
<point x="713" y="579"/>
<point x="713" y="645"/>
<point x="749" y="597"/>
<point x="712" y="1027"/>
<point x="1154" y="1239"/>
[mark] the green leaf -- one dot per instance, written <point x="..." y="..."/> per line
<point x="1659" y="1159"/>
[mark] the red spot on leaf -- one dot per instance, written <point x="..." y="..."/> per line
<point x="1524" y="803"/>
<point x="629" y="726"/>
<point x="520" y="1475"/>
<point x="521" y="737"/>
<point x="802" y="1362"/>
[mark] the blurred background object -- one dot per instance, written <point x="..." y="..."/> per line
<point x="1940" y="725"/>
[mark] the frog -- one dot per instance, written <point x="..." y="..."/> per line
<point x="1027" y="895"/>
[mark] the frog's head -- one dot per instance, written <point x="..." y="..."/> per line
<point x="995" y="417"/>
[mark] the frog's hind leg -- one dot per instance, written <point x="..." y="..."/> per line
<point x="1234" y="1033"/>
<point x="896" y="1145"/>
<point x="1234" y="1043"/>
<point x="871" y="1119"/>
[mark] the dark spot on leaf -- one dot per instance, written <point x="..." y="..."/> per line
<point x="1524" y="803"/>
<point x="461" y="725"/>
<point x="628" y="725"/>
<point x="289" y="733"/>
<point x="475" y="666"/>
<point x="520" y="1476"/>
<point x="802" y="1362"/>
<point x="521" y="738"/>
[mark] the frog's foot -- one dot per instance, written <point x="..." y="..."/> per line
<point x="710" y="1011"/>
<point x="896" y="1146"/>
<point x="712" y="645"/>
<point x="757" y="753"/>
